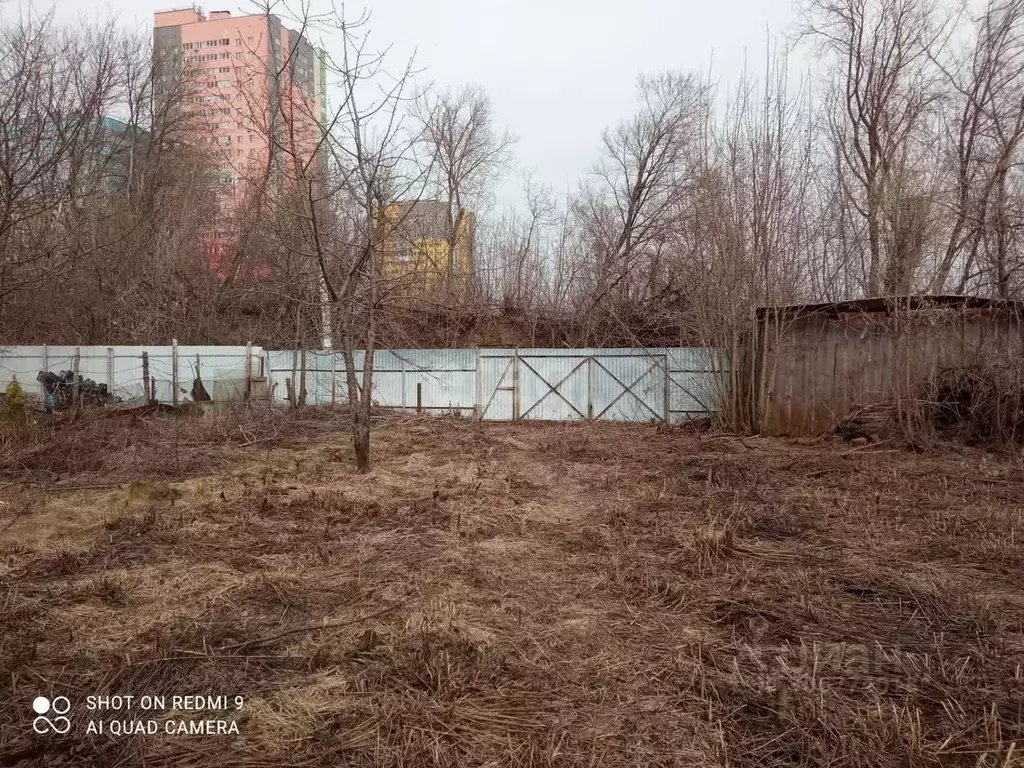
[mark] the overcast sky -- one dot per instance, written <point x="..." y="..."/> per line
<point x="558" y="71"/>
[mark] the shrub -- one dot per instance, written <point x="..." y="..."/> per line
<point x="13" y="407"/>
<point x="980" y="405"/>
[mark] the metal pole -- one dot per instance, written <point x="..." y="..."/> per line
<point x="668" y="392"/>
<point x="248" y="370"/>
<point x="590" y="387"/>
<point x="515" y="385"/>
<point x="292" y="399"/>
<point x="77" y="388"/>
<point x="146" y="389"/>
<point x="110" y="370"/>
<point x="174" y="372"/>
<point x="478" y="403"/>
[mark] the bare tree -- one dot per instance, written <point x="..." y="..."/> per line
<point x="370" y="149"/>
<point x="466" y="153"/>
<point x="982" y="142"/>
<point x="339" y="170"/>
<point x="883" y="91"/>
<point x="1001" y="40"/>
<point x="514" y="259"/>
<point x="628" y="208"/>
<point x="55" y="86"/>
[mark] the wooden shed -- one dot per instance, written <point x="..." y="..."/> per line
<point x="810" y="366"/>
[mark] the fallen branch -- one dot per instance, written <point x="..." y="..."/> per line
<point x="311" y="628"/>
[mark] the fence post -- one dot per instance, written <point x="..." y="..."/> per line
<point x="76" y="390"/>
<point x="110" y="370"/>
<point x="403" y="383"/>
<point x="292" y="399"/>
<point x="478" y="404"/>
<point x="515" y="384"/>
<point x="46" y="358"/>
<point x="334" y="381"/>
<point x="668" y="391"/>
<point x="248" y="371"/>
<point x="335" y="356"/>
<point x="419" y="397"/>
<point x="146" y="388"/>
<point x="590" y="387"/>
<point x="174" y="372"/>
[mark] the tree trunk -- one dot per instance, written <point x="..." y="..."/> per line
<point x="361" y="436"/>
<point x="874" y="243"/>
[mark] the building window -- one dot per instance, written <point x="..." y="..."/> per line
<point x="250" y="41"/>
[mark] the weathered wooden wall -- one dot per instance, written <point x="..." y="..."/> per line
<point x="814" y="370"/>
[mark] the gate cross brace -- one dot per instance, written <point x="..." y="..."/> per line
<point x="555" y="387"/>
<point x="629" y="389"/>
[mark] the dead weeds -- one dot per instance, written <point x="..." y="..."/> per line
<point x="521" y="595"/>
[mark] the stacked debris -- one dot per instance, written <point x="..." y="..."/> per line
<point x="979" y="405"/>
<point x="59" y="390"/>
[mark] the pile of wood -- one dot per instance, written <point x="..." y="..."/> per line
<point x="980" y="405"/>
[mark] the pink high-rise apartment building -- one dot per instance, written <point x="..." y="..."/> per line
<point x="250" y="87"/>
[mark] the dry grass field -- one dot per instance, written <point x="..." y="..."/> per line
<point x="510" y="595"/>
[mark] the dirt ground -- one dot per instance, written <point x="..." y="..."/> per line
<point x="510" y="595"/>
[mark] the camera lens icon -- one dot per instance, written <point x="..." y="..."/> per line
<point x="42" y="706"/>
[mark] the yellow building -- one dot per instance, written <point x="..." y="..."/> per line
<point x="416" y="245"/>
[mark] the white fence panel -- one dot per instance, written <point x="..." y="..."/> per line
<point x="674" y="384"/>
<point x="224" y="370"/>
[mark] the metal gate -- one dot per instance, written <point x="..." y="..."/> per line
<point x="514" y="386"/>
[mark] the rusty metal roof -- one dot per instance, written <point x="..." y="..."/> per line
<point x="887" y="304"/>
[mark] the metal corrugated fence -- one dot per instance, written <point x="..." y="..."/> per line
<point x="671" y="384"/>
<point x="225" y="370"/>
